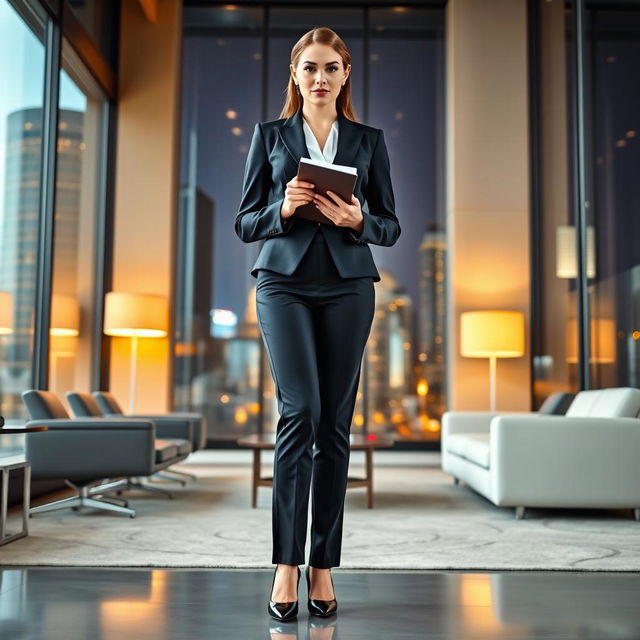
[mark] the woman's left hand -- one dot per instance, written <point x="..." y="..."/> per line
<point x="341" y="213"/>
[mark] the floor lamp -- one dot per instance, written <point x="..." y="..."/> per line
<point x="135" y="315"/>
<point x="492" y="334"/>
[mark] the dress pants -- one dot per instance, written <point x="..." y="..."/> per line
<point x="315" y="325"/>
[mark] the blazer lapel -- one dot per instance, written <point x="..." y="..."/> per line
<point x="292" y="135"/>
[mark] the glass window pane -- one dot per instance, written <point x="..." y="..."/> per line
<point x="406" y="367"/>
<point x="217" y="353"/>
<point x="80" y="128"/>
<point x="22" y="64"/>
<point x="555" y="348"/>
<point x="614" y="290"/>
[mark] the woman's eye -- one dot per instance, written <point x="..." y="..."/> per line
<point x="308" y="68"/>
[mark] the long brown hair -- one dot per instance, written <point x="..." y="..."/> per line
<point x="321" y="35"/>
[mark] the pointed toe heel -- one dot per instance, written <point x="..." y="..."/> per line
<point x="283" y="611"/>
<point x="321" y="608"/>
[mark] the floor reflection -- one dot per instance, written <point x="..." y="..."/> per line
<point x="123" y="604"/>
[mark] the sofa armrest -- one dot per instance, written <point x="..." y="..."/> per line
<point x="469" y="422"/>
<point x="88" y="449"/>
<point x="559" y="460"/>
<point x="169" y="426"/>
<point x="93" y="423"/>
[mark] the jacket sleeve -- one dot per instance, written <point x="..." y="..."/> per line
<point x="381" y="225"/>
<point x="256" y="219"/>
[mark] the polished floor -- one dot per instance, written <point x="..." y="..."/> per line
<point x="136" y="604"/>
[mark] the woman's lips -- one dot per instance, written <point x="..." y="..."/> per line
<point x="320" y="91"/>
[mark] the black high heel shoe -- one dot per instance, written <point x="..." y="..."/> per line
<point x="322" y="608"/>
<point x="283" y="610"/>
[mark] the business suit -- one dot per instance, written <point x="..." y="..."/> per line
<point x="315" y="303"/>
<point x="274" y="154"/>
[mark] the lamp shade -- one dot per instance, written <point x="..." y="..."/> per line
<point x="135" y="314"/>
<point x="6" y="312"/>
<point x="65" y="315"/>
<point x="485" y="334"/>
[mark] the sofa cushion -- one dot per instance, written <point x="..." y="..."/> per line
<point x="165" y="450"/>
<point x="183" y="446"/>
<point x="470" y="446"/>
<point x="621" y="402"/>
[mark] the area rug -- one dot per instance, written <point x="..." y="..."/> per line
<point x="420" y="520"/>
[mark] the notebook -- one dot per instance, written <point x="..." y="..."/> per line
<point x="339" y="178"/>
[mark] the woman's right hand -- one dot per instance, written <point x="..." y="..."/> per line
<point x="296" y="194"/>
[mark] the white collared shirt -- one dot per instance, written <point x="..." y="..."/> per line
<point x="330" y="146"/>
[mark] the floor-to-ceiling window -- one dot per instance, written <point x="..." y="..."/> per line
<point x="82" y="119"/>
<point x="235" y="68"/>
<point x="587" y="269"/>
<point x="22" y="70"/>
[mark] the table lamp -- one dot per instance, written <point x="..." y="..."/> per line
<point x="6" y="313"/>
<point x="135" y="315"/>
<point x="492" y="334"/>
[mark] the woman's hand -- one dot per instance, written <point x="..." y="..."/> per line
<point x="341" y="213"/>
<point x="296" y="194"/>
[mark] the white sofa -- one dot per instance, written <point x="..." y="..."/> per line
<point x="588" y="458"/>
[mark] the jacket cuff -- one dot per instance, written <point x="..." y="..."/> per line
<point x="360" y="238"/>
<point x="279" y="227"/>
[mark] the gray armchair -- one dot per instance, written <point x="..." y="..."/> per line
<point x="109" y="407"/>
<point x="178" y="431"/>
<point x="95" y="456"/>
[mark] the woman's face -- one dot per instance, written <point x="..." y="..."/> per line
<point x="320" y="67"/>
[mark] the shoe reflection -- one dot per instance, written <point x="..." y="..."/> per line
<point x="317" y="629"/>
<point x="283" y="630"/>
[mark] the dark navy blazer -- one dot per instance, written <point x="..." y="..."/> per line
<point x="274" y="154"/>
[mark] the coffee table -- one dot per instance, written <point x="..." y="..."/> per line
<point x="358" y="443"/>
<point x="6" y="466"/>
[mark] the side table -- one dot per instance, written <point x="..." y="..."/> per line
<point x="6" y="466"/>
<point x="357" y="443"/>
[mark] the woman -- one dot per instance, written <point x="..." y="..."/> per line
<point x="315" y="302"/>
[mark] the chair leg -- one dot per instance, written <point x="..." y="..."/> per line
<point x="106" y="487"/>
<point x="519" y="513"/>
<point x="84" y="499"/>
<point x="166" y="474"/>
<point x="184" y="474"/>
<point x="107" y="498"/>
<point x="56" y="504"/>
